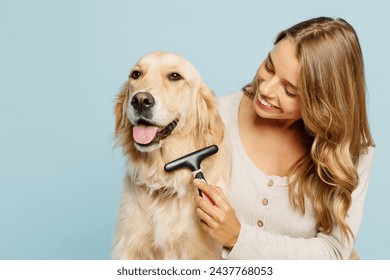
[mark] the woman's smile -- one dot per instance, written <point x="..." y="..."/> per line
<point x="264" y="104"/>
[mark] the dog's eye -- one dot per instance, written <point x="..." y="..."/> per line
<point x="174" y="76"/>
<point x="135" y="74"/>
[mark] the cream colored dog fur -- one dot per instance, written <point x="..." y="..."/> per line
<point x="165" y="111"/>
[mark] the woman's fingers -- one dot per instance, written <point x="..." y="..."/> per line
<point x="214" y="193"/>
<point x="218" y="220"/>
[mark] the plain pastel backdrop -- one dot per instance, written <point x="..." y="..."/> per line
<point x="62" y="64"/>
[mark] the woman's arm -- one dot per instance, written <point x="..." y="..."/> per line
<point x="249" y="242"/>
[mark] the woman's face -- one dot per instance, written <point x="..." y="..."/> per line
<point x="277" y="97"/>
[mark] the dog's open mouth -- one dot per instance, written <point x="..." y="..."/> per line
<point x="145" y="133"/>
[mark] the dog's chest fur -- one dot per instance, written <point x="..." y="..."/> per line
<point x="160" y="225"/>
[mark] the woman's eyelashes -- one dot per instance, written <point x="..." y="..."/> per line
<point x="289" y="93"/>
<point x="269" y="67"/>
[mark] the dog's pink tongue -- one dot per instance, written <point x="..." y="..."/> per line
<point x="144" y="134"/>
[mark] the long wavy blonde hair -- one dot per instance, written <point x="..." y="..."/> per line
<point x="334" y="118"/>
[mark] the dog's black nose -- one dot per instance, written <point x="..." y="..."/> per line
<point x="142" y="101"/>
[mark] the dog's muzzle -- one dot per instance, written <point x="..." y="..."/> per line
<point x="145" y="132"/>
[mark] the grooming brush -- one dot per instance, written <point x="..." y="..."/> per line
<point x="192" y="162"/>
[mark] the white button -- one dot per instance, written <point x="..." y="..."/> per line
<point x="270" y="183"/>
<point x="264" y="201"/>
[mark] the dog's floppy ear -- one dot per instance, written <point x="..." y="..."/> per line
<point x="120" y="110"/>
<point x="209" y="126"/>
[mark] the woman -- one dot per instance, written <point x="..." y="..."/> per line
<point x="301" y="150"/>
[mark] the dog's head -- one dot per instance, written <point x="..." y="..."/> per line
<point x="164" y="96"/>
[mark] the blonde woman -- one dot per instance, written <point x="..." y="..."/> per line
<point x="301" y="149"/>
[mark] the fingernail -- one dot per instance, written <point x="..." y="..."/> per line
<point x="197" y="182"/>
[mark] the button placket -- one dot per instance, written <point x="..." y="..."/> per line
<point x="264" y="202"/>
<point x="270" y="184"/>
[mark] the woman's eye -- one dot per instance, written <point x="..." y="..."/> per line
<point x="268" y="68"/>
<point x="135" y="74"/>
<point x="289" y="93"/>
<point x="174" y="76"/>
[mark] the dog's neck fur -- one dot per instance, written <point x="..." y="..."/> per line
<point x="157" y="180"/>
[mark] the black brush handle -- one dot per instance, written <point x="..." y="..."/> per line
<point x="199" y="175"/>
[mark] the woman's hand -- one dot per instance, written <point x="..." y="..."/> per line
<point x="218" y="220"/>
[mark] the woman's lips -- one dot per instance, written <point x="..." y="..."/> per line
<point x="263" y="103"/>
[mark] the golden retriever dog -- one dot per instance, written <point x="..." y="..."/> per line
<point x="165" y="111"/>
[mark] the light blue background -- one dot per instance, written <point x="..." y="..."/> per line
<point x="61" y="66"/>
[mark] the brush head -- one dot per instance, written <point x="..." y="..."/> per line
<point x="191" y="161"/>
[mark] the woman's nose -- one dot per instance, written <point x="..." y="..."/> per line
<point x="269" y="87"/>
